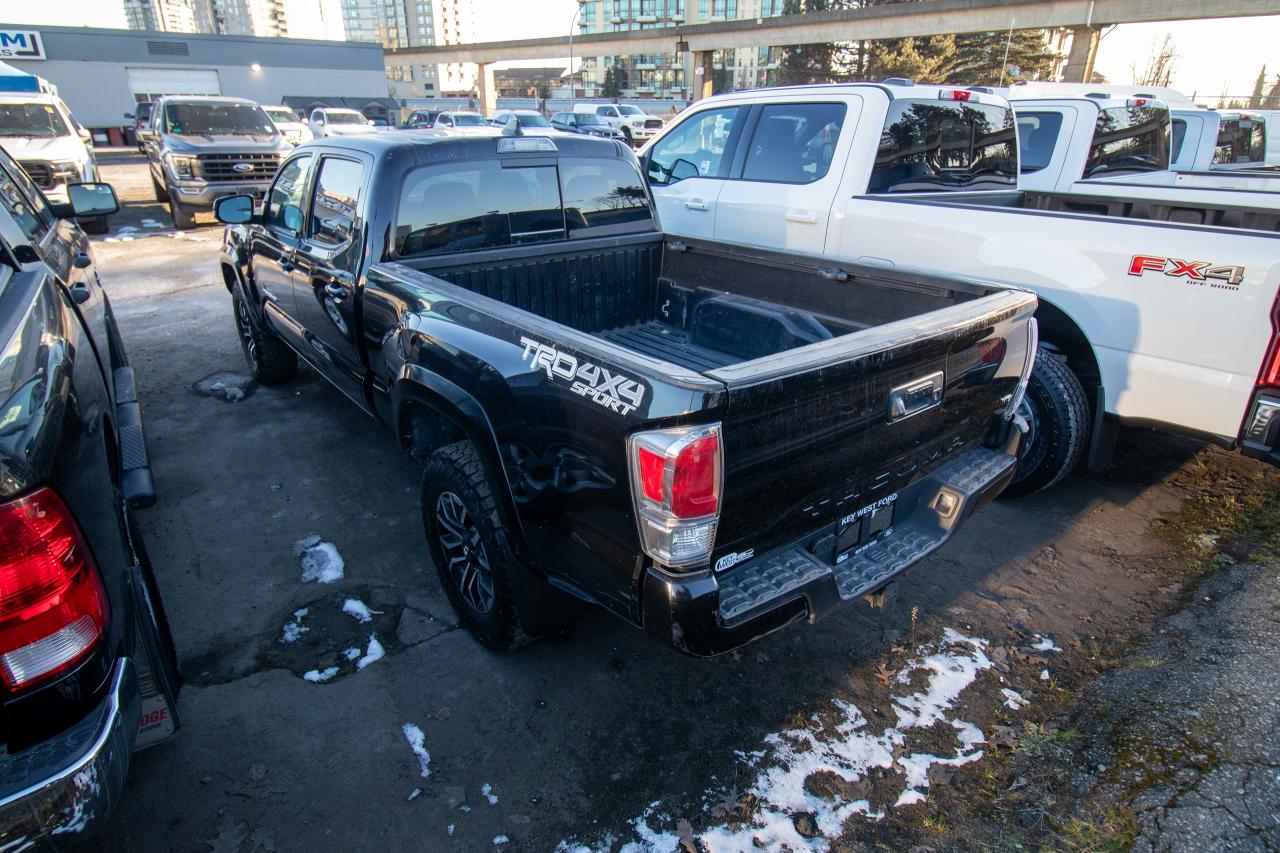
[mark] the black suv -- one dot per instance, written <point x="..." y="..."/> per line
<point x="87" y="666"/>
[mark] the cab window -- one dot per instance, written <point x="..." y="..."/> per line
<point x="284" y="202"/>
<point x="927" y="146"/>
<point x="1037" y="138"/>
<point x="793" y="143"/>
<point x="603" y="197"/>
<point x="464" y="207"/>
<point x="334" y="208"/>
<point x="696" y="147"/>
<point x="1129" y="139"/>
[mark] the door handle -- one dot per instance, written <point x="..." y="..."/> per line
<point x="697" y="205"/>
<point x="336" y="291"/>
<point x="801" y="217"/>
<point x="82" y="261"/>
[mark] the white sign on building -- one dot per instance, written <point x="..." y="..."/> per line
<point x="21" y="44"/>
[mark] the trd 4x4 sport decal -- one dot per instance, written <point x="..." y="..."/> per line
<point x="613" y="391"/>
<point x="1198" y="272"/>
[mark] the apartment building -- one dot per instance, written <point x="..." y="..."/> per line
<point x="671" y="75"/>
<point x="299" y="19"/>
<point x="412" y="23"/>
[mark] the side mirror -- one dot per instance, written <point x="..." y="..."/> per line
<point x="86" y="136"/>
<point x="89" y="200"/>
<point x="234" y="209"/>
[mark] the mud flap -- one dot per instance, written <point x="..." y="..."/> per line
<point x="153" y="655"/>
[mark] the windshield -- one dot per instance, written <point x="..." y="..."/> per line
<point x="345" y="117"/>
<point x="40" y="120"/>
<point x="280" y="114"/>
<point x="1129" y="139"/>
<point x="589" y="119"/>
<point x="928" y="146"/>
<point x="236" y="119"/>
<point x="630" y="111"/>
<point x="469" y="120"/>
<point x="531" y="120"/>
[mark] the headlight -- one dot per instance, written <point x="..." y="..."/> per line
<point x="65" y="170"/>
<point x="181" y="166"/>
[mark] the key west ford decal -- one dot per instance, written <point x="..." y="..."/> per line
<point x="613" y="391"/>
<point x="1199" y="272"/>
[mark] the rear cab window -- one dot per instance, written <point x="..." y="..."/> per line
<point x="1240" y="141"/>
<point x="931" y="146"/>
<point x="1038" y="134"/>
<point x="468" y="206"/>
<point x="1129" y="139"/>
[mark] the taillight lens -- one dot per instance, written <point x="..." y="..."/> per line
<point x="53" y="607"/>
<point x="1269" y="377"/>
<point x="676" y="477"/>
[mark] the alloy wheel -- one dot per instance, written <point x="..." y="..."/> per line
<point x="465" y="557"/>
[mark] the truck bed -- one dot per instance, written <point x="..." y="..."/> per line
<point x="702" y="310"/>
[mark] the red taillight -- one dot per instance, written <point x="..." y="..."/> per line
<point x="653" y="469"/>
<point x="695" y="488"/>
<point x="960" y="95"/>
<point x="675" y="480"/>
<point x="992" y="350"/>
<point x="1269" y="377"/>
<point x="52" y="604"/>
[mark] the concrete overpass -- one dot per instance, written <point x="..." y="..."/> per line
<point x="896" y="20"/>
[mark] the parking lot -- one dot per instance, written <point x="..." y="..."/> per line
<point x="593" y="737"/>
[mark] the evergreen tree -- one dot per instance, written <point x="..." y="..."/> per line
<point x="808" y="63"/>
<point x="998" y="59"/>
<point x="925" y="59"/>
<point x="1259" y="90"/>
<point x="612" y="87"/>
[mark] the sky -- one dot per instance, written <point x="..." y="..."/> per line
<point x="1213" y="54"/>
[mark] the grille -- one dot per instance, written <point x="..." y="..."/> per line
<point x="41" y="173"/>
<point x="221" y="167"/>
<point x="168" y="48"/>
<point x="653" y="123"/>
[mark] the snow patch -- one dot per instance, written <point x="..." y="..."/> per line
<point x="451" y="830"/>
<point x="414" y="794"/>
<point x="1044" y="644"/>
<point x="318" y="676"/>
<point x="1013" y="699"/>
<point x="417" y="743"/>
<point x="849" y="748"/>
<point x="293" y="629"/>
<point x="373" y="653"/>
<point x="352" y="653"/>
<point x="357" y="609"/>
<point x="486" y="791"/>
<point x="500" y="840"/>
<point x="321" y="561"/>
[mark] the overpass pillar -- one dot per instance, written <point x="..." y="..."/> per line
<point x="488" y="92"/>
<point x="1084" y="50"/>
<point x="704" y="75"/>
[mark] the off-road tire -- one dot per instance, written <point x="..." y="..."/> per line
<point x="456" y="469"/>
<point x="184" y="218"/>
<point x="158" y="189"/>
<point x="1060" y="431"/>
<point x="270" y="360"/>
<point x="626" y="131"/>
<point x="96" y="225"/>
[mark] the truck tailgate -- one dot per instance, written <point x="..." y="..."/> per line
<point x="836" y="430"/>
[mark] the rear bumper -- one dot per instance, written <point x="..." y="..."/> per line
<point x="706" y="613"/>
<point x="1261" y="436"/>
<point x="54" y="794"/>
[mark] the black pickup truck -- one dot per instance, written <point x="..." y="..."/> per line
<point x="708" y="441"/>
<point x="87" y="668"/>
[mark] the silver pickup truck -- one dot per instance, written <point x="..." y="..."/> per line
<point x="203" y="148"/>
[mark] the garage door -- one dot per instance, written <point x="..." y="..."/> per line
<point x="149" y="83"/>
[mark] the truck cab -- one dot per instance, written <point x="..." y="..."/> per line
<point x="1218" y="139"/>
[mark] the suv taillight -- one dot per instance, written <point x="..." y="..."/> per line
<point x="675" y="482"/>
<point x="53" y="607"/>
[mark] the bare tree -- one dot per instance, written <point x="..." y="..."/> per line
<point x="1160" y="64"/>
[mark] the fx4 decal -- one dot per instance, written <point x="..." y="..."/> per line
<point x="613" y="391"/>
<point x="1200" y="272"/>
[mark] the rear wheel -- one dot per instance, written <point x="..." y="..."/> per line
<point x="1057" y="410"/>
<point x="183" y="217"/>
<point x="474" y="563"/>
<point x="270" y="359"/>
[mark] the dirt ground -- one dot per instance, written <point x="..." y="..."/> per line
<point x="599" y="736"/>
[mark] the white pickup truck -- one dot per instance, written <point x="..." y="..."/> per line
<point x="1151" y="323"/>
<point x="1215" y="139"/>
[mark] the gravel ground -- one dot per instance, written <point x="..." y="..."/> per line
<point x="577" y="735"/>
